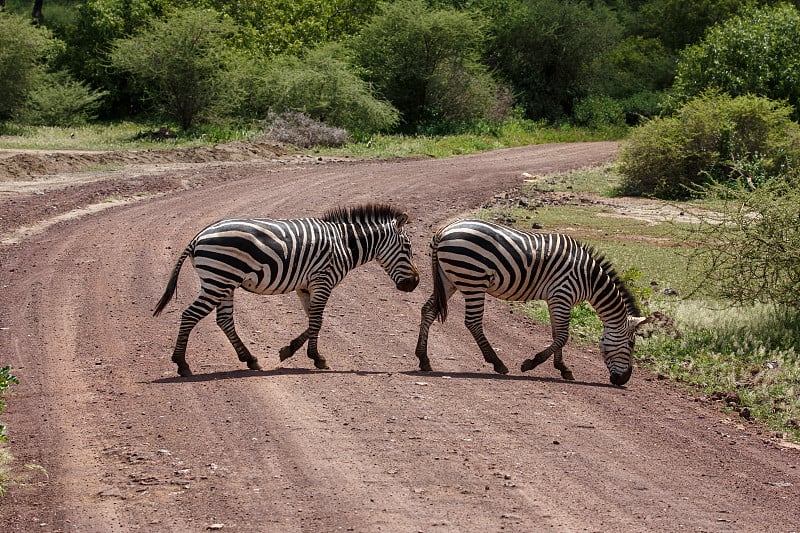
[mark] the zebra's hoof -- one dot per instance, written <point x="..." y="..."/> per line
<point x="285" y="353"/>
<point x="425" y="367"/>
<point x="253" y="365"/>
<point x="184" y="371"/>
<point x="322" y="365"/>
<point x="528" y="364"/>
<point x="501" y="368"/>
<point x="567" y="374"/>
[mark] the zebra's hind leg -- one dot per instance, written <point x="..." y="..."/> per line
<point x="428" y="316"/>
<point x="189" y="319"/>
<point x="225" y="323"/>
<point x="474" y="321"/>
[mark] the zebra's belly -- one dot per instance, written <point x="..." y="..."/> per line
<point x="256" y="284"/>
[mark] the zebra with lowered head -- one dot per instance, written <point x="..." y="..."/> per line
<point x="310" y="256"/>
<point x="477" y="257"/>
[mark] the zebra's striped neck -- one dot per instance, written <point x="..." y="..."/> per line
<point x="610" y="298"/>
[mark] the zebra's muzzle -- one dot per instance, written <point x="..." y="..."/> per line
<point x="621" y="378"/>
<point x="408" y="284"/>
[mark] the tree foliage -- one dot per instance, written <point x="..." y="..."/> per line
<point x="290" y="27"/>
<point x="418" y="57"/>
<point x="24" y="50"/>
<point x="180" y="62"/>
<point x="547" y="49"/>
<point x="322" y="85"/>
<point x="754" y="53"/>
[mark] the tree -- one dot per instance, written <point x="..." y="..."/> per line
<point x="755" y="53"/>
<point x="23" y="50"/>
<point x="89" y="43"/>
<point x="547" y="50"/>
<point x="418" y="58"/>
<point x="180" y="62"/>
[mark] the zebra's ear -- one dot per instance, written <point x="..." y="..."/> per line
<point x="403" y="219"/>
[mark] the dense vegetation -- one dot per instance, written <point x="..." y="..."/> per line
<point x="404" y="65"/>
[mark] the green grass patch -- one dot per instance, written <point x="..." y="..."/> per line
<point x="510" y="134"/>
<point x="111" y="136"/>
<point x="122" y="136"/>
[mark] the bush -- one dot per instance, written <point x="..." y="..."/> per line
<point x="322" y="86"/>
<point x="547" y="51"/>
<point x="755" y="53"/>
<point x="300" y="130"/>
<point x="597" y="112"/>
<point x="750" y="245"/>
<point x="59" y="100"/>
<point x="670" y="157"/>
<point x="6" y="380"/>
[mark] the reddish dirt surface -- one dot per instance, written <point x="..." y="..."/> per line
<point x="371" y="445"/>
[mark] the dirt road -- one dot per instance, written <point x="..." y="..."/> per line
<point x="371" y="445"/>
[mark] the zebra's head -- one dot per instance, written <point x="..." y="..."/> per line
<point x="396" y="257"/>
<point x="616" y="347"/>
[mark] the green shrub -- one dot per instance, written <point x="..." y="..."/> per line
<point x="749" y="247"/>
<point x="6" y="380"/>
<point x="417" y="57"/>
<point x="548" y="51"/>
<point x="670" y="157"/>
<point x="59" y="100"/>
<point x="599" y="112"/>
<point x="323" y="86"/>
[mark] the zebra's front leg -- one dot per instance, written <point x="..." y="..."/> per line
<point x="558" y="362"/>
<point x="225" y="323"/>
<point x="473" y="319"/>
<point x="313" y="300"/>
<point x="559" y="320"/>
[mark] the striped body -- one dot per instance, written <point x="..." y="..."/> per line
<point x="478" y="258"/>
<point x="308" y="256"/>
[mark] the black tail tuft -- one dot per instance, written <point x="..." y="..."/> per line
<point x="439" y="295"/>
<point x="172" y="284"/>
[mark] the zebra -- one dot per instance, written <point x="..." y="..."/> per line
<point x="310" y="256"/>
<point x="477" y="257"/>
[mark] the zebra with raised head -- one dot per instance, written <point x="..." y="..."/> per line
<point x="310" y="256"/>
<point x="477" y="257"/>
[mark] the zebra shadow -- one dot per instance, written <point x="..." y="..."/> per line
<point x="281" y="371"/>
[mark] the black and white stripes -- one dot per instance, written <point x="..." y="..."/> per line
<point x="310" y="256"/>
<point x="477" y="257"/>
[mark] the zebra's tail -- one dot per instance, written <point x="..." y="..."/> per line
<point x="172" y="284"/>
<point x="439" y="294"/>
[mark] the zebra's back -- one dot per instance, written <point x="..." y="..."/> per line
<point x="262" y="255"/>
<point x="509" y="264"/>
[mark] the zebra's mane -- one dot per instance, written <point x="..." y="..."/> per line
<point x="362" y="213"/>
<point x="608" y="268"/>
